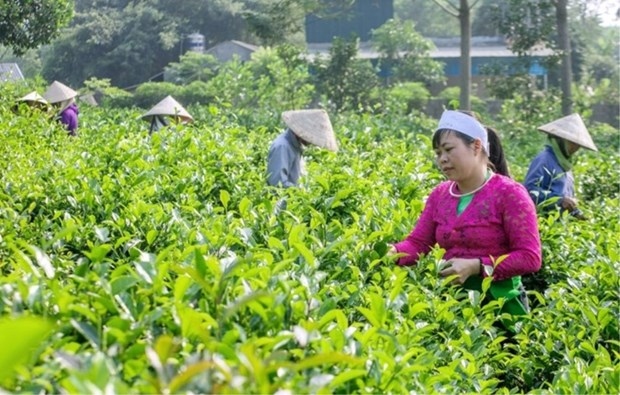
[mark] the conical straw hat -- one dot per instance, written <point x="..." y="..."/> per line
<point x="58" y="92"/>
<point x="570" y="128"/>
<point x="312" y="126"/>
<point x="169" y="106"/>
<point x="33" y="97"/>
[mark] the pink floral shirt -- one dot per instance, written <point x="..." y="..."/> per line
<point x="500" y="220"/>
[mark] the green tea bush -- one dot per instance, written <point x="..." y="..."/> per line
<point x="156" y="264"/>
<point x="150" y="93"/>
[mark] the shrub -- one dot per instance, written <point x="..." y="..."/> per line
<point x="451" y="97"/>
<point x="346" y="81"/>
<point x="192" y="66"/>
<point x="150" y="93"/>
<point x="197" y="92"/>
<point x="411" y="95"/>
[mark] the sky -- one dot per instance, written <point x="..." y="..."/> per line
<point x="608" y="12"/>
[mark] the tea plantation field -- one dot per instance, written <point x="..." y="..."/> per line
<point x="137" y="264"/>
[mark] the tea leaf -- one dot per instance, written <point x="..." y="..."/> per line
<point x="26" y="334"/>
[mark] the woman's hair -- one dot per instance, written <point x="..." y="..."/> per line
<point x="497" y="160"/>
<point x="496" y="156"/>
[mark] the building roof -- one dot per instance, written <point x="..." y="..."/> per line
<point x="228" y="50"/>
<point x="10" y="72"/>
<point x="481" y="47"/>
<point x="236" y="43"/>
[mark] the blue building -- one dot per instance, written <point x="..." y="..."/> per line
<point x="362" y="16"/>
<point x="484" y="52"/>
<point x="343" y="20"/>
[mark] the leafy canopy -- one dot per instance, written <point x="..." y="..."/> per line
<point x="27" y="24"/>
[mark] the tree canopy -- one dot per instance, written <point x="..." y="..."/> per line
<point x="28" y="24"/>
<point x="131" y="42"/>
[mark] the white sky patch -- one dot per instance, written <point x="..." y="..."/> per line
<point x="607" y="10"/>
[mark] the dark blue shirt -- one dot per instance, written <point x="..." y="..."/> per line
<point x="546" y="179"/>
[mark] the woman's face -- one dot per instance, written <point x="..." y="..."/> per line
<point x="571" y="148"/>
<point x="457" y="159"/>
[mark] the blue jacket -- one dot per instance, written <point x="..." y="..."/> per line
<point x="284" y="160"/>
<point x="546" y="179"/>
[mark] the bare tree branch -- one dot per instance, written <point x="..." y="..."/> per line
<point x="449" y="8"/>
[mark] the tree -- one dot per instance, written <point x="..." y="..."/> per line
<point x="561" y="12"/>
<point x="429" y="19"/>
<point x="463" y="13"/>
<point x="28" y="24"/>
<point x="406" y="53"/>
<point x="273" y="21"/>
<point x="192" y="66"/>
<point x="127" y="46"/>
<point x="345" y="80"/>
<point x="131" y="42"/>
<point x="529" y="23"/>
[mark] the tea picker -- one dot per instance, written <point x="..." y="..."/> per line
<point x="34" y="101"/>
<point x="62" y="98"/>
<point x="482" y="218"/>
<point x="549" y="178"/>
<point x="167" y="111"/>
<point x="285" y="163"/>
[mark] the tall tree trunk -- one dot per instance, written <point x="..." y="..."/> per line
<point x="564" y="45"/>
<point x="464" y="16"/>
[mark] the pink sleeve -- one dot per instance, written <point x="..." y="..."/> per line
<point x="422" y="237"/>
<point x="521" y="228"/>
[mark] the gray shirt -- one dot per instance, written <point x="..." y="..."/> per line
<point x="284" y="160"/>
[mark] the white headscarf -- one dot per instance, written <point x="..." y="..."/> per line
<point x="466" y="124"/>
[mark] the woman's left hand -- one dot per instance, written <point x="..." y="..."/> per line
<point x="463" y="268"/>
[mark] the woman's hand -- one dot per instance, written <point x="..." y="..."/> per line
<point x="569" y="203"/>
<point x="391" y="250"/>
<point x="463" y="268"/>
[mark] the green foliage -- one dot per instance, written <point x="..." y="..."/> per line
<point x="282" y="78"/>
<point x="132" y="42"/>
<point x="29" y="24"/>
<point x="26" y="334"/>
<point x="345" y="80"/>
<point x="273" y="22"/>
<point x="162" y="265"/>
<point x="10" y="90"/>
<point x="429" y="18"/>
<point x="107" y="95"/>
<point x="527" y="23"/>
<point x="150" y="93"/>
<point x="506" y="82"/>
<point x="604" y="183"/>
<point x="596" y="55"/>
<point x="530" y="24"/>
<point x="451" y="97"/>
<point x="128" y="46"/>
<point x="274" y="80"/>
<point x="197" y="92"/>
<point x="520" y="116"/>
<point x="406" y="53"/>
<point x="193" y="66"/>
<point x="404" y="97"/>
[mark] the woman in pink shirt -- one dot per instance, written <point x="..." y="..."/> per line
<point x="485" y="221"/>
